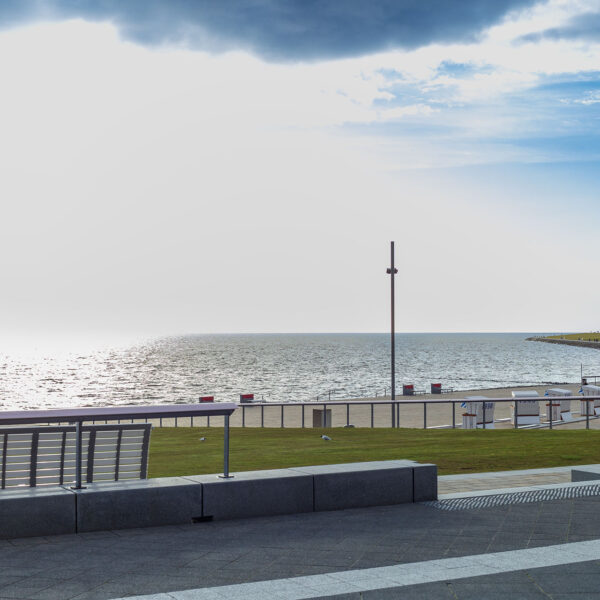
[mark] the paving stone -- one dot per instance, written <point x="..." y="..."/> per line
<point x="222" y="553"/>
<point x="431" y="591"/>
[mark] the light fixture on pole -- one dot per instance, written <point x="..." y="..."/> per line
<point x="392" y="272"/>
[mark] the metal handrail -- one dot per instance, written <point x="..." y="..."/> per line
<point x="418" y="401"/>
<point x="113" y="413"/>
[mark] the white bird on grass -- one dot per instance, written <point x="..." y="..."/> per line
<point x="326" y="438"/>
<point x="202" y="439"/>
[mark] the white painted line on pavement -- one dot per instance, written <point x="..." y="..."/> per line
<point x="363" y="580"/>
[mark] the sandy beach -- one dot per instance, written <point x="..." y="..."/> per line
<point x="352" y="411"/>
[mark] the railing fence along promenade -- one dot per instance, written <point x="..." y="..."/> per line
<point x="395" y="417"/>
<point x="78" y="416"/>
<point x="345" y="410"/>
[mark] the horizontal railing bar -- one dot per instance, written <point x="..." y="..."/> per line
<point x="79" y="415"/>
<point x="418" y="401"/>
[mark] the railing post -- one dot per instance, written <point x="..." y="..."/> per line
<point x="243" y="416"/>
<point x="324" y="417"/>
<point x="550" y="410"/>
<point x="226" y="474"/>
<point x="393" y="414"/>
<point x="454" y="415"/>
<point x="262" y="415"/>
<point x="372" y="415"/>
<point x="282" y="416"/>
<point x="587" y="414"/>
<point x="78" y="455"/>
<point x="516" y="414"/>
<point x="348" y="414"/>
<point x="424" y="415"/>
<point x="303" y="416"/>
<point x="483" y="404"/>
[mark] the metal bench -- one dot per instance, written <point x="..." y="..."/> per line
<point x="46" y="456"/>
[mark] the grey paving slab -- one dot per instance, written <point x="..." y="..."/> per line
<point x="425" y="482"/>
<point x="143" y="503"/>
<point x="590" y="472"/>
<point x="36" y="512"/>
<point x="355" y="485"/>
<point x="167" y="559"/>
<point x="256" y="493"/>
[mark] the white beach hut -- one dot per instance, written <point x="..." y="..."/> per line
<point x="561" y="409"/>
<point x="590" y="390"/>
<point x="528" y="412"/>
<point x="473" y="416"/>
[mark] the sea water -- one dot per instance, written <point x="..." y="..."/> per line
<point x="282" y="367"/>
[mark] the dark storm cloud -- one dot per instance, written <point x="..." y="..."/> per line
<point x="582" y="27"/>
<point x="281" y="30"/>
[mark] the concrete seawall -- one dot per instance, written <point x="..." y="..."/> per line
<point x="580" y="343"/>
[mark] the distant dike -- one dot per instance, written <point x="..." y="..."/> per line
<point x="581" y="343"/>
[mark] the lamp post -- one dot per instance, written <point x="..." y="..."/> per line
<point x="392" y="272"/>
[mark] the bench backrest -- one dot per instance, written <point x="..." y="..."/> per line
<point x="44" y="456"/>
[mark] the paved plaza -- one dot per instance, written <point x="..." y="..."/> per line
<point x="527" y="546"/>
<point x="473" y="482"/>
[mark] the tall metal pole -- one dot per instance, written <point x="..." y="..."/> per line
<point x="392" y="272"/>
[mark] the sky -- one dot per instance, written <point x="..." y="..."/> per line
<point x="171" y="167"/>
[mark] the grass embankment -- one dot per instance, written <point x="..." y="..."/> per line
<point x="179" y="451"/>
<point x="585" y="337"/>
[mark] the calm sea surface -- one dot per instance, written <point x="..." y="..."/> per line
<point x="282" y="367"/>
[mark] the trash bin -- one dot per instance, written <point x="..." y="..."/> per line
<point x="317" y="419"/>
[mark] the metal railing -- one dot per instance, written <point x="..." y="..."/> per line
<point x="78" y="416"/>
<point x="395" y="419"/>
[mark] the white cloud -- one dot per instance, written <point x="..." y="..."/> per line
<point x="165" y="191"/>
<point x="589" y="98"/>
<point x="400" y="112"/>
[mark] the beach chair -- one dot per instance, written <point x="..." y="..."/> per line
<point x="408" y="389"/>
<point x="473" y="416"/>
<point x="561" y="408"/>
<point x="436" y="388"/>
<point x="246" y="398"/>
<point x="594" y="407"/>
<point x="528" y="410"/>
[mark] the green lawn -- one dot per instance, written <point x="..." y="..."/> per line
<point x="588" y="337"/>
<point x="179" y="451"/>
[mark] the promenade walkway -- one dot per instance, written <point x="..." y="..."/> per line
<point x="473" y="482"/>
<point x="545" y="545"/>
